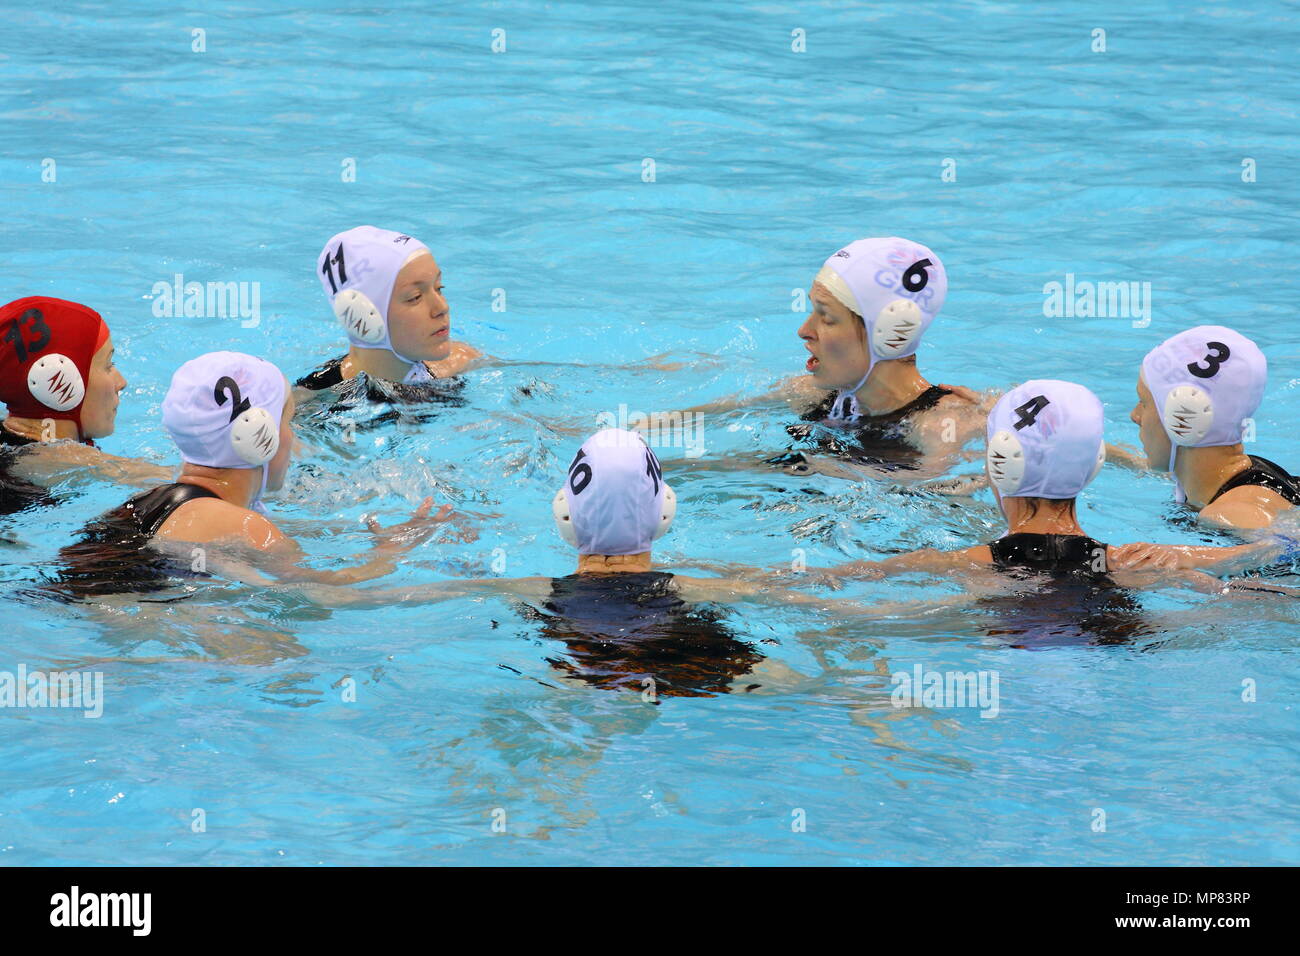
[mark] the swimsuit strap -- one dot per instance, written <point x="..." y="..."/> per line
<point x="1264" y="474"/>
<point x="843" y="407"/>
<point x="327" y="376"/>
<point x="154" y="507"/>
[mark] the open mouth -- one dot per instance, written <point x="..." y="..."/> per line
<point x="812" y="363"/>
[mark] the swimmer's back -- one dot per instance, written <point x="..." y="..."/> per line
<point x="1263" y="473"/>
<point x="114" y="554"/>
<point x="622" y="630"/>
<point x="16" y="492"/>
<point x="1053" y="553"/>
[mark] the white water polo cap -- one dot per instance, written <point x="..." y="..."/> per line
<point x="223" y="410"/>
<point x="897" y="287"/>
<point x="357" y="270"/>
<point x="1045" y="440"/>
<point x="614" y="500"/>
<point x="1206" y="383"/>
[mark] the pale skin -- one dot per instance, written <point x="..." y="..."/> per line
<point x="1203" y="471"/>
<point x="1058" y="517"/>
<point x="719" y="590"/>
<point x="61" y="453"/>
<point x="229" y="521"/>
<point x="419" y="325"/>
<point x="835" y="338"/>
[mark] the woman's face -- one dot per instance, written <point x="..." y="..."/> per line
<point x="99" y="410"/>
<point x="837" y="341"/>
<point x="278" y="466"/>
<point x="419" y="322"/>
<point x="1155" y="440"/>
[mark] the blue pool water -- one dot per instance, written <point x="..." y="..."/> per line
<point x="523" y="170"/>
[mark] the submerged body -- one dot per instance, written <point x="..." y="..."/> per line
<point x="636" y="631"/>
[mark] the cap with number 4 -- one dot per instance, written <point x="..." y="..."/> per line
<point x="1045" y="440"/>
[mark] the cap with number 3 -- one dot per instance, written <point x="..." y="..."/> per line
<point x="1206" y="382"/>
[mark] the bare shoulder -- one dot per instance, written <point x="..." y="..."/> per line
<point x="211" y="519"/>
<point x="461" y="357"/>
<point x="1248" y="506"/>
<point x="979" y="554"/>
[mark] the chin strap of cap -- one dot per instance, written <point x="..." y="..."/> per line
<point x="891" y="335"/>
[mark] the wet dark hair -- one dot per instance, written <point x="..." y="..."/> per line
<point x="1033" y="504"/>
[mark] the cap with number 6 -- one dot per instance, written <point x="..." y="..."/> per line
<point x="1045" y="440"/>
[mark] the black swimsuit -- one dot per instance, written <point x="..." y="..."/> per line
<point x="1077" y="602"/>
<point x="114" y="554"/>
<point x="625" y="630"/>
<point x="1264" y="474"/>
<point x="878" y="440"/>
<point x="1058" y="553"/>
<point x="442" y="391"/>
<point x="18" y="494"/>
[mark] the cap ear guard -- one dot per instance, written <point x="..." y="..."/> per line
<point x="55" y="382"/>
<point x="563" y="520"/>
<point x="1006" y="462"/>
<point x="667" y="514"/>
<point x="254" y="436"/>
<point x="1188" y="415"/>
<point x="1101" y="460"/>
<point x="359" y="316"/>
<point x="896" y="329"/>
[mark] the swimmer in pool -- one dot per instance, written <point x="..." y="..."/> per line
<point x="385" y="288"/>
<point x="230" y="415"/>
<point x="623" y="620"/>
<point x="872" y="302"/>
<point x="1197" y="393"/>
<point x="62" y="390"/>
<point x="1044" y="446"/>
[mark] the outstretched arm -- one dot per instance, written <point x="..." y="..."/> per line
<point x="49" y="463"/>
<point x="1126" y="457"/>
<point x="246" y="546"/>
<point x="1210" y="560"/>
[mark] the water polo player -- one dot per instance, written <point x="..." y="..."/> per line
<point x="61" y="388"/>
<point x="622" y="620"/>
<point x="385" y="288"/>
<point x="871" y="303"/>
<point x="1044" y="446"/>
<point x="1197" y="394"/>
<point x="230" y="416"/>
